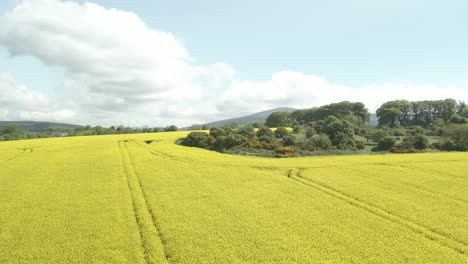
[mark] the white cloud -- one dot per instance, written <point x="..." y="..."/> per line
<point x="17" y="102"/>
<point x="296" y="89"/>
<point x="114" y="63"/>
<point x="119" y="70"/>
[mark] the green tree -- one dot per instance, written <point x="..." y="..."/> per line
<point x="281" y="132"/>
<point x="310" y="132"/>
<point x="289" y="140"/>
<point x="341" y="132"/>
<point x="277" y="119"/>
<point x="386" y="143"/>
<point x="420" y="141"/>
<point x="320" y="141"/>
<point x="264" y="131"/>
<point x="247" y="131"/>
<point x="459" y="135"/>
<point x="171" y="128"/>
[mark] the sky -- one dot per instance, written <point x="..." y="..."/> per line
<point x="157" y="63"/>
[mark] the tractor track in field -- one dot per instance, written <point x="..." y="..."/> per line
<point x="414" y="187"/>
<point x="25" y="151"/>
<point x="442" y="239"/>
<point x="152" y="241"/>
<point x="407" y="166"/>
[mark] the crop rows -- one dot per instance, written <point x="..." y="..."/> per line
<point x="144" y="199"/>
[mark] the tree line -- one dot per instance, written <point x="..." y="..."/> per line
<point x="343" y="128"/>
<point x="17" y="133"/>
<point x="422" y="113"/>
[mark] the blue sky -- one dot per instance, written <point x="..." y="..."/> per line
<point x="349" y="43"/>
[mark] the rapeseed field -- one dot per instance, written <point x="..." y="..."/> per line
<point x="144" y="199"/>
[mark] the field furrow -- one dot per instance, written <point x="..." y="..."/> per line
<point x="18" y="156"/>
<point x="440" y="238"/>
<point x="149" y="232"/>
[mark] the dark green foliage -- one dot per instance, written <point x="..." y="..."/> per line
<point x="344" y="110"/>
<point x="377" y="134"/>
<point x="277" y="119"/>
<point x="386" y="143"/>
<point x="281" y="132"/>
<point x="420" y="141"/>
<point x="339" y="131"/>
<point x="421" y="113"/>
<point x="417" y="130"/>
<point x="458" y="119"/>
<point x="406" y="146"/>
<point x="448" y="145"/>
<point x="265" y="139"/>
<point x="394" y="112"/>
<point x="171" y="128"/>
<point x="198" y="139"/>
<point x="233" y="140"/>
<point x="296" y="129"/>
<point x="289" y="140"/>
<point x="310" y="132"/>
<point x="246" y="131"/>
<point x="264" y="131"/>
<point x="219" y="143"/>
<point x="459" y="135"/>
<point x="219" y="131"/>
<point x="320" y="141"/>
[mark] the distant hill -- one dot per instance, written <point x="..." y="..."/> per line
<point x="257" y="117"/>
<point x="37" y="126"/>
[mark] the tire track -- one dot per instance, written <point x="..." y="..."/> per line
<point x="458" y="246"/>
<point x="24" y="152"/>
<point x="150" y="235"/>
<point x="410" y="185"/>
<point x="438" y="173"/>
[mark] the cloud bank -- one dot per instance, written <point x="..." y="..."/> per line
<point x="119" y="70"/>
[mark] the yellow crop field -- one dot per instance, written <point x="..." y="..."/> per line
<point x="141" y="198"/>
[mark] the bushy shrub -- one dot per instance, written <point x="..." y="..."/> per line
<point x="265" y="139"/>
<point x="218" y="145"/>
<point x="377" y="134"/>
<point x="459" y="135"/>
<point x="435" y="145"/>
<point x="341" y="132"/>
<point x="198" y="139"/>
<point x="296" y="129"/>
<point x="217" y="132"/>
<point x="281" y="132"/>
<point x="171" y="128"/>
<point x="448" y="145"/>
<point x="420" y="141"/>
<point x="406" y="146"/>
<point x="386" y="143"/>
<point x="417" y="130"/>
<point x="264" y="131"/>
<point x="320" y="141"/>
<point x="234" y="140"/>
<point x="289" y="140"/>
<point x="360" y="144"/>
<point x="284" y="150"/>
<point x="246" y="131"/>
<point x="309" y="132"/>
<point x="457" y="119"/>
